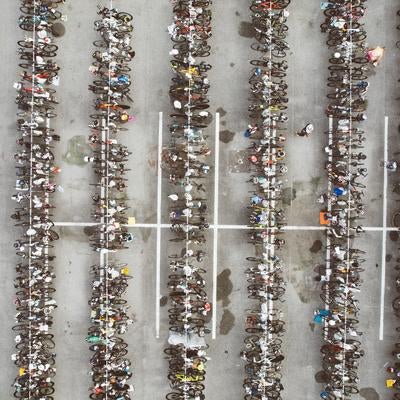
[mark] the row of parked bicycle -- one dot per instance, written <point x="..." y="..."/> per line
<point x="340" y="278"/>
<point x="111" y="366"/>
<point x="393" y="379"/>
<point x="36" y="171"/>
<point x="267" y="132"/>
<point x="184" y="161"/>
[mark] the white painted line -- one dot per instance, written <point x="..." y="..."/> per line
<point x="158" y="225"/>
<point x="76" y="224"/>
<point x="215" y="227"/>
<point x="229" y="227"/>
<point x="384" y="216"/>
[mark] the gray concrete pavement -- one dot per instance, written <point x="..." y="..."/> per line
<point x="229" y="96"/>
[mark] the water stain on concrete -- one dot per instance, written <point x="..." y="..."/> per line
<point x="226" y="136"/>
<point x="152" y="163"/>
<point x="388" y="257"/>
<point x="288" y="196"/>
<point x="321" y="377"/>
<point x="316" y="246"/>
<point x="394" y="236"/>
<point x="224" y="287"/>
<point x="316" y="181"/>
<point x="163" y="301"/>
<point x="221" y="112"/>
<point x="227" y="322"/>
<point x="145" y="234"/>
<point x="231" y="64"/>
<point x="123" y="196"/>
<point x="77" y="149"/>
<point x="246" y="29"/>
<point x="369" y="393"/>
<point x="58" y="29"/>
<point x="89" y="230"/>
<point x="237" y="13"/>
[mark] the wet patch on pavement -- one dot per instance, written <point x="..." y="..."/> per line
<point x="302" y="279"/>
<point x="288" y="196"/>
<point x="58" y="29"/>
<point x="224" y="287"/>
<point x="89" y="230"/>
<point x="221" y="112"/>
<point x="152" y="163"/>
<point x="246" y="29"/>
<point x="145" y="234"/>
<point x="369" y="394"/>
<point x="226" y="136"/>
<point x="316" y="181"/>
<point x="227" y="322"/>
<point x="394" y="236"/>
<point x="316" y="246"/>
<point x="77" y="149"/>
<point x="163" y="301"/>
<point x="321" y="377"/>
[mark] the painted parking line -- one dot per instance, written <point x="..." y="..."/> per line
<point x="228" y="227"/>
<point x="158" y="225"/>
<point x="384" y="230"/>
<point x="215" y="228"/>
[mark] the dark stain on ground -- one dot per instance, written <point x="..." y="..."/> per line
<point x="224" y="287"/>
<point x="226" y="136"/>
<point x="394" y="236"/>
<point x="288" y="196"/>
<point x="388" y="257"/>
<point x="246" y="29"/>
<point x="321" y="377"/>
<point x="227" y="322"/>
<point x="316" y="246"/>
<point x="221" y="112"/>
<point x="310" y="24"/>
<point x="71" y="121"/>
<point x="312" y="326"/>
<point x="77" y="149"/>
<point x="237" y="13"/>
<point x="223" y="123"/>
<point x="315" y="182"/>
<point x="89" y="230"/>
<point x="145" y="234"/>
<point x="232" y="65"/>
<point x="163" y="301"/>
<point x="369" y="394"/>
<point x="58" y="29"/>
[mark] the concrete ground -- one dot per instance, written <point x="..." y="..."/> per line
<point x="305" y="180"/>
